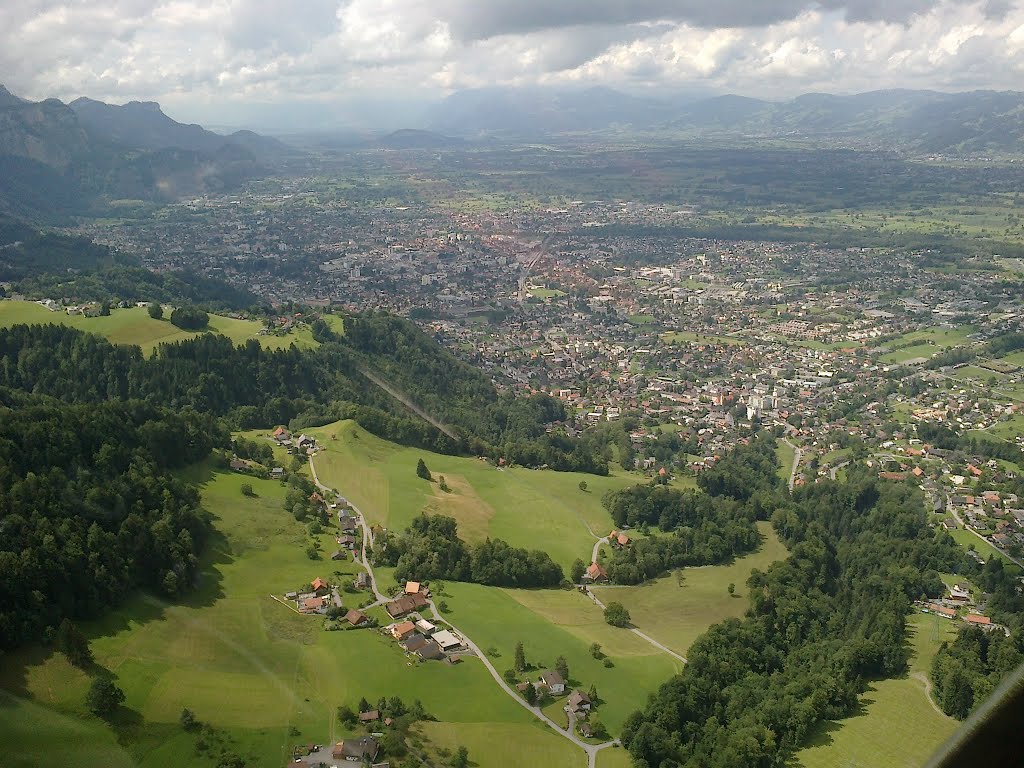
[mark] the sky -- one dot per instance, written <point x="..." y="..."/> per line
<point x="361" y="61"/>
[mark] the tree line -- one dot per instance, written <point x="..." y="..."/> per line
<point x="254" y="387"/>
<point x="430" y="548"/>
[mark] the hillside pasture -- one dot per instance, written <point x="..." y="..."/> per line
<point x="248" y="665"/>
<point x="897" y="725"/>
<point x="678" y="608"/>
<point x="537" y="509"/>
<point x="134" y="326"/>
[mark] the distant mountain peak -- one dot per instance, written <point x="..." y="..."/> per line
<point x="7" y="98"/>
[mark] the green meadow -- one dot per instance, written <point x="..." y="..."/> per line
<point x="676" y="609"/>
<point x="553" y="623"/>
<point x="897" y="725"/>
<point x="135" y="326"/>
<point x="263" y="675"/>
<point x="537" y="509"/>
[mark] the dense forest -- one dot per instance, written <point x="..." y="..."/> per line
<point x="430" y="548"/>
<point x="820" y="623"/>
<point x="702" y="528"/>
<point x="89" y="509"/>
<point x="255" y="387"/>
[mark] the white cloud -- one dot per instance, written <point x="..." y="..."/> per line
<point x="215" y="52"/>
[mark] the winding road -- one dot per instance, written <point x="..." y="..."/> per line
<point x="590" y="749"/>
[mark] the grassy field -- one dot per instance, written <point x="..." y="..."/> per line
<point x="135" y="326"/>
<point x="897" y="725"/>
<point x="527" y="508"/>
<point x="911" y="353"/>
<point x="243" y="662"/>
<point x="983" y="548"/>
<point x="614" y="757"/>
<point x="785" y="454"/>
<point x="676" y="614"/>
<point x="552" y="623"/>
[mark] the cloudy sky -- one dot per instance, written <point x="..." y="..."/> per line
<point x="222" y="60"/>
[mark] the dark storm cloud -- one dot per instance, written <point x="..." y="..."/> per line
<point x="481" y="20"/>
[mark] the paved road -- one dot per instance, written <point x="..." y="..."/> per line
<point x="590" y="749"/>
<point x="834" y="470"/>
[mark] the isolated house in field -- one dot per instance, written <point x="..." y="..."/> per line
<point x="553" y="682"/>
<point x="595" y="574"/>
<point x="339" y="554"/>
<point x="369" y="717"/>
<point x="363" y="581"/>
<point x="277" y="473"/>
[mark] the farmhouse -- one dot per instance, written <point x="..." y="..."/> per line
<point x="356" y="750"/>
<point x="412" y="587"/>
<point x="348" y="541"/>
<point x="977" y="620"/>
<point x="312" y="605"/>
<point x="579" y="702"/>
<point x="402" y="630"/>
<point x="370" y="716"/>
<point x="595" y="573"/>
<point x="404" y="605"/>
<point x="414" y="642"/>
<point x="942" y="610"/>
<point x="553" y="682"/>
<point x="346" y="523"/>
<point x="425" y="627"/>
<point x="319" y="586"/>
<point x="363" y="581"/>
<point x="430" y="650"/>
<point x="356" y="618"/>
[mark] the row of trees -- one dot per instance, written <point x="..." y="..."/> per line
<point x="820" y="623"/>
<point x="430" y="548"/>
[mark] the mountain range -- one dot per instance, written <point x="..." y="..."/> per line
<point x="918" y="121"/>
<point x="61" y="159"/>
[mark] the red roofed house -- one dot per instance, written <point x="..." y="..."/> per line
<point x="595" y="573"/>
<point x="319" y="585"/>
<point x="978" y="620"/>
